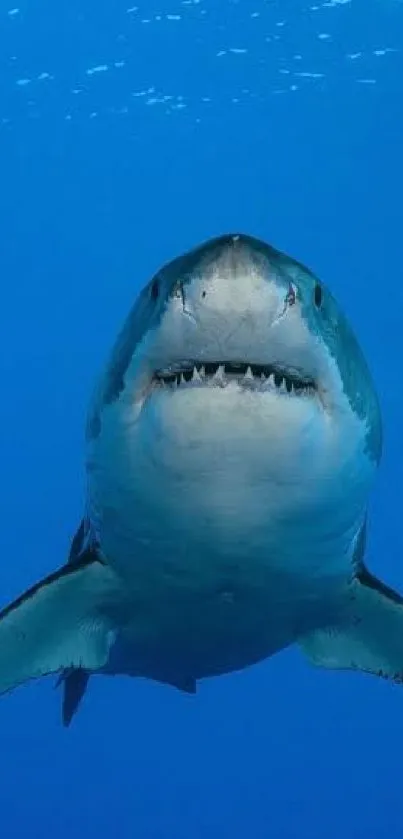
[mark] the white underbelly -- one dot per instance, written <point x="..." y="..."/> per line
<point x="231" y="543"/>
<point x="207" y="502"/>
<point x="215" y="588"/>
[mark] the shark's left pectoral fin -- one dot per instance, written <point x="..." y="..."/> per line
<point x="62" y="622"/>
<point x="369" y="636"/>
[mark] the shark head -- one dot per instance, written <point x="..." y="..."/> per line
<point x="237" y="368"/>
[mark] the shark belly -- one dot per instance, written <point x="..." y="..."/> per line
<point x="201" y="611"/>
<point x="223" y="565"/>
<point x="196" y="624"/>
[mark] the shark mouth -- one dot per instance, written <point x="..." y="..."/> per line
<point x="220" y="374"/>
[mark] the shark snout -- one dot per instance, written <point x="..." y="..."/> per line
<point x="233" y="304"/>
<point x="235" y="292"/>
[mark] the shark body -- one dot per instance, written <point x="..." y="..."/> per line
<point x="231" y="447"/>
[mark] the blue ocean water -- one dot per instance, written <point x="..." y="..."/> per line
<point x="127" y="135"/>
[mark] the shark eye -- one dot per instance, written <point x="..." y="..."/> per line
<point x="155" y="290"/>
<point x="318" y="295"/>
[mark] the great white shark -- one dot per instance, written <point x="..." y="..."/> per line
<point x="231" y="447"/>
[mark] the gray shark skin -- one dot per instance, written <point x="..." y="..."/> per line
<point x="231" y="447"/>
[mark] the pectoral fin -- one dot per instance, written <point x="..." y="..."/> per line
<point x="369" y="635"/>
<point x="62" y="622"/>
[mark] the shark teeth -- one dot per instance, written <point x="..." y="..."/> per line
<point x="256" y="376"/>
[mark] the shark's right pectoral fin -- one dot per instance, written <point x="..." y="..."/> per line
<point x="369" y="635"/>
<point x="62" y="622"/>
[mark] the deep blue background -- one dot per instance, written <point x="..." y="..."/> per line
<point x="98" y="187"/>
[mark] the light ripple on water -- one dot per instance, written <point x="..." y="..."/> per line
<point x="241" y="53"/>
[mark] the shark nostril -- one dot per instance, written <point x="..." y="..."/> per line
<point x="203" y="294"/>
<point x="291" y="295"/>
<point x="177" y="290"/>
